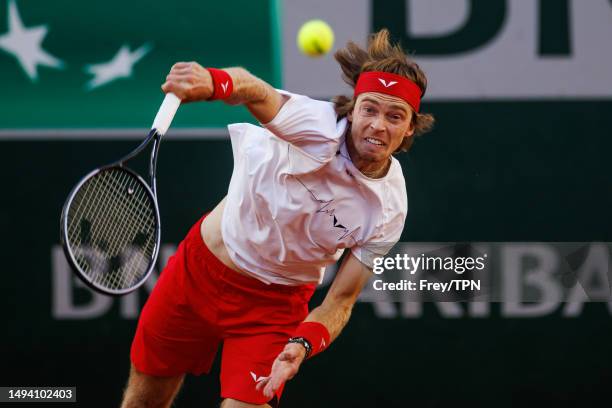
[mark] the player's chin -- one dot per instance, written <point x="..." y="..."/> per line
<point x="375" y="153"/>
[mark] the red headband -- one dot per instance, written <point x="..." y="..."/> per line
<point x="390" y="84"/>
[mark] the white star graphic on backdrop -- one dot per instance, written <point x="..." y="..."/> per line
<point x="120" y="66"/>
<point x="25" y="44"/>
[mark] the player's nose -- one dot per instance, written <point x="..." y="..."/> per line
<point x="377" y="123"/>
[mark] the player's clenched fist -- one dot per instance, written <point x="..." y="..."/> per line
<point x="189" y="81"/>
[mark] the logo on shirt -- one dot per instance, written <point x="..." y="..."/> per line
<point x="331" y="212"/>
<point x="327" y="209"/>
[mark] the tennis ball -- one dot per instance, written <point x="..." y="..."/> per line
<point x="315" y="38"/>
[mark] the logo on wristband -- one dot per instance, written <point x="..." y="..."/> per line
<point x="224" y="86"/>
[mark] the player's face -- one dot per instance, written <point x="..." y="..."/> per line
<point x="379" y="124"/>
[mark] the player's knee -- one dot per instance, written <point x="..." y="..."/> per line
<point x="232" y="403"/>
<point x="146" y="398"/>
<point x="146" y="391"/>
<point x="136" y="400"/>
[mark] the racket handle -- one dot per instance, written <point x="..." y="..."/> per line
<point x="166" y="113"/>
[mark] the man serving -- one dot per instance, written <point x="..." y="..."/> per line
<point x="316" y="178"/>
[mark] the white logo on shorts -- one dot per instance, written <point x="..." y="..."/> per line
<point x="256" y="378"/>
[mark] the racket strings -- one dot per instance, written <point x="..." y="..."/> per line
<point x="136" y="218"/>
<point x="109" y="228"/>
<point x="132" y="218"/>
<point x="112" y="229"/>
<point x="106" y="229"/>
<point x="115" y="247"/>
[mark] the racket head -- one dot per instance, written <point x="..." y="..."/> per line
<point x="110" y="230"/>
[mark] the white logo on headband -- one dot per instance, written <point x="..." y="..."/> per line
<point x="387" y="85"/>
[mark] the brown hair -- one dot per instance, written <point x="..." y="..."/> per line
<point x="381" y="55"/>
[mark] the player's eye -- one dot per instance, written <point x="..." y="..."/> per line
<point x="368" y="109"/>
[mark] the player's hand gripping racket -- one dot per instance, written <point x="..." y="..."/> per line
<point x="110" y="227"/>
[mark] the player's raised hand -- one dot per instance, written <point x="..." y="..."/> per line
<point x="189" y="81"/>
<point x="284" y="368"/>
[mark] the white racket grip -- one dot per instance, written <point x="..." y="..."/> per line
<point x="166" y="112"/>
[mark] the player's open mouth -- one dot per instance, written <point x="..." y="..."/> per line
<point x="374" y="141"/>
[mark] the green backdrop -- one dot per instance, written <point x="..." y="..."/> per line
<point x="85" y="33"/>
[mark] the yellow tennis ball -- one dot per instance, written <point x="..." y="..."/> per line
<point x="315" y="38"/>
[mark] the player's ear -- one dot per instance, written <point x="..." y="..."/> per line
<point x="410" y="131"/>
<point x="412" y="126"/>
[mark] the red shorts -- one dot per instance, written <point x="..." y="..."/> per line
<point x="198" y="303"/>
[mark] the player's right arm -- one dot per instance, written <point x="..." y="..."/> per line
<point x="192" y="82"/>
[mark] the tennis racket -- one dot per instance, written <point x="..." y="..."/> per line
<point x="110" y="226"/>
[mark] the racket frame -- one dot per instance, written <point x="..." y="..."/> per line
<point x="151" y="192"/>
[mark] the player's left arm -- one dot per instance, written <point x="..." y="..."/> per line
<point x="333" y="314"/>
<point x="336" y="308"/>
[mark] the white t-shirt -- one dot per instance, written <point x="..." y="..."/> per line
<point x="296" y="201"/>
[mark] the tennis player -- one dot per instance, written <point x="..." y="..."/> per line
<point x="316" y="178"/>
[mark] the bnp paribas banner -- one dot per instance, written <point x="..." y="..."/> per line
<point x="471" y="49"/>
<point x="83" y="64"/>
